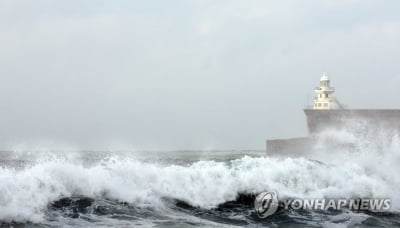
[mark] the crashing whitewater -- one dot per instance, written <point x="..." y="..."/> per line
<point x="370" y="171"/>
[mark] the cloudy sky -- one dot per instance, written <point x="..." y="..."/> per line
<point x="199" y="74"/>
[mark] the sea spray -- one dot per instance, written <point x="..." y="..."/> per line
<point x="26" y="193"/>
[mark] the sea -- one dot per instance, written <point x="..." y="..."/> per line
<point x="197" y="188"/>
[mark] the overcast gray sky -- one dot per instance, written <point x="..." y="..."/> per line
<point x="201" y="74"/>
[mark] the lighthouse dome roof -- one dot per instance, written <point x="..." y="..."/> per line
<point x="324" y="77"/>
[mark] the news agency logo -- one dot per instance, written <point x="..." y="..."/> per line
<point x="267" y="203"/>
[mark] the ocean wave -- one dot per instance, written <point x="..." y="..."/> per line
<point x="26" y="193"/>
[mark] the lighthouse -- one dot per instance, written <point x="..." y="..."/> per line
<point x="324" y="98"/>
<point x="326" y="114"/>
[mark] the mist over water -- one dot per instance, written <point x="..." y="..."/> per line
<point x="150" y="187"/>
<point x="162" y="75"/>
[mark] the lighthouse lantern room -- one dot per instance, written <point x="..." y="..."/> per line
<point x="324" y="99"/>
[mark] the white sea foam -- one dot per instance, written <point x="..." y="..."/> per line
<point x="26" y="193"/>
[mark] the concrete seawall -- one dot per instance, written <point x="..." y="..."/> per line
<point x="289" y="147"/>
<point x="362" y="122"/>
<point x="320" y="120"/>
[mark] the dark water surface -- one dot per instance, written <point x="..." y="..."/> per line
<point x="185" y="188"/>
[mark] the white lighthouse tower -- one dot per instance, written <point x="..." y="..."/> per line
<point x="324" y="99"/>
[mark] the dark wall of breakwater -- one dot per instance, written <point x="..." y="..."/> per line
<point x="319" y="120"/>
<point x="361" y="121"/>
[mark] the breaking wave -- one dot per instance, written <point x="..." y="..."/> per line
<point x="27" y="192"/>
